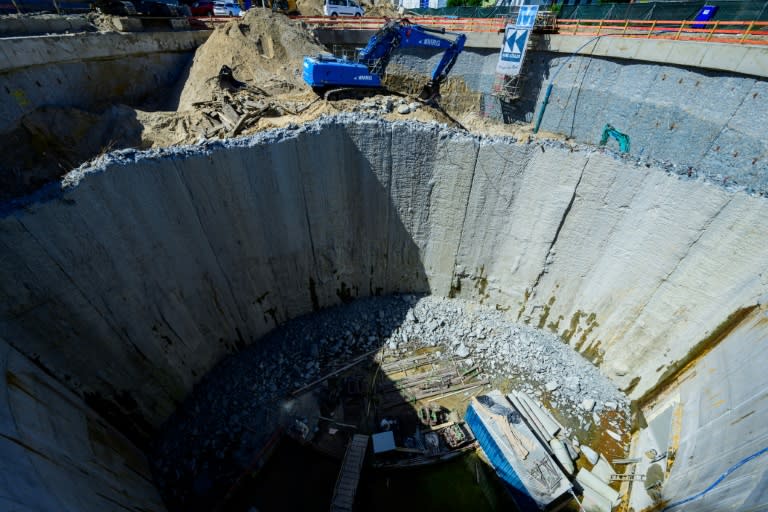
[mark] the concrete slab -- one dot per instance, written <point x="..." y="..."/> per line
<point x="686" y="53"/>
<point x="616" y="47"/>
<point x="125" y="24"/>
<point x="754" y="62"/>
<point x="727" y="56"/>
<point x="653" y="50"/>
<point x="751" y="60"/>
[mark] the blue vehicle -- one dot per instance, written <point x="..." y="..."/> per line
<point x="706" y="13"/>
<point x="328" y="72"/>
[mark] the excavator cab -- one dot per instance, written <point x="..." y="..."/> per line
<point x="328" y="72"/>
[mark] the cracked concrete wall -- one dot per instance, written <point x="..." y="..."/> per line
<point x="715" y="115"/>
<point x="134" y="278"/>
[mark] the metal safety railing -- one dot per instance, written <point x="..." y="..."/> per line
<point x="737" y="32"/>
<point x="365" y="23"/>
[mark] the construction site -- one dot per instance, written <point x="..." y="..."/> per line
<point x="414" y="259"/>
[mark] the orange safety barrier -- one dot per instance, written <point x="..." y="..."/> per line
<point x="738" y="32"/>
<point x="363" y="23"/>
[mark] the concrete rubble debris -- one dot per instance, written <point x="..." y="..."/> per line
<point x="603" y="470"/>
<point x="592" y="501"/>
<point x="302" y="351"/>
<point x="572" y="451"/>
<point x="591" y="455"/>
<point x="589" y="480"/>
<point x="588" y="404"/>
<point x="561" y="453"/>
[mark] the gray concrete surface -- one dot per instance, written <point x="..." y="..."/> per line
<point x="89" y="70"/>
<point x="717" y="428"/>
<point x="751" y="60"/>
<point x="715" y="115"/>
<point x="57" y="454"/>
<point x="136" y="277"/>
<point x="30" y="25"/>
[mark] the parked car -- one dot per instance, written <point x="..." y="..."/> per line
<point x="334" y="8"/>
<point x="202" y="8"/>
<point x="161" y="8"/>
<point x="227" y="8"/>
<point x="116" y="7"/>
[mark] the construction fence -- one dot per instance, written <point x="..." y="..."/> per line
<point x="728" y="10"/>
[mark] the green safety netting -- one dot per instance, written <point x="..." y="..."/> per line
<point x="727" y="11"/>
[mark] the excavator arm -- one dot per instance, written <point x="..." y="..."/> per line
<point x="621" y="138"/>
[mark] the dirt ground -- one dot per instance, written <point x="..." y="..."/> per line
<point x="264" y="52"/>
<point x="245" y="78"/>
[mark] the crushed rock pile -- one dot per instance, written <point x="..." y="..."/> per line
<point x="263" y="50"/>
<point x="235" y="408"/>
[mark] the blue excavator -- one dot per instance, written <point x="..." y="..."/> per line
<point x="326" y="72"/>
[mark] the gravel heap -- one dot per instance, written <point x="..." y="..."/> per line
<point x="214" y="435"/>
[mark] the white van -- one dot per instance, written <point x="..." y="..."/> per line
<point x="335" y="8"/>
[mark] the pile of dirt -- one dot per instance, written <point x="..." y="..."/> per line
<point x="310" y="7"/>
<point x="380" y="9"/>
<point x="246" y="78"/>
<point x="263" y="49"/>
<point x="102" y="22"/>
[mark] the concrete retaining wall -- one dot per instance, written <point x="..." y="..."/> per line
<point x="166" y="260"/>
<point x="134" y="279"/>
<point x="703" y="120"/>
<point x="14" y="25"/>
<point x="714" y="115"/>
<point x="89" y="70"/>
<point x="57" y="454"/>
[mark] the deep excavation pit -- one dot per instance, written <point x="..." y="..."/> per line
<point x="164" y="312"/>
<point x="127" y="283"/>
<point x="241" y="403"/>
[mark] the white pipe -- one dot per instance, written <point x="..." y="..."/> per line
<point x="587" y="479"/>
<point x="562" y="455"/>
<point x="551" y="426"/>
<point x="532" y="420"/>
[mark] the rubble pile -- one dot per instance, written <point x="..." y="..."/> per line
<point x="263" y="50"/>
<point x="236" y="407"/>
<point x="229" y="115"/>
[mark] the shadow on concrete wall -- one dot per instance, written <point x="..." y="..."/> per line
<point x="50" y="141"/>
<point x="357" y="246"/>
<point x="536" y="75"/>
<point x="130" y="286"/>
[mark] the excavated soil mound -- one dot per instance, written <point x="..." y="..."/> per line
<point x="263" y="49"/>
